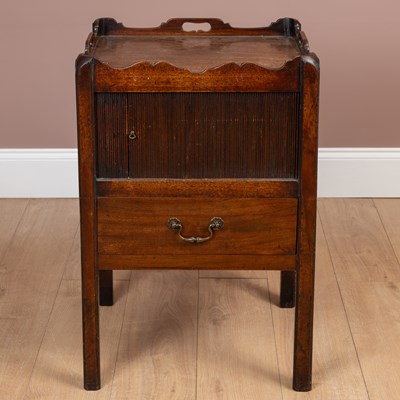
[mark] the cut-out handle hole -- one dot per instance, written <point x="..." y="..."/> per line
<point x="196" y="27"/>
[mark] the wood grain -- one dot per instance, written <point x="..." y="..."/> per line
<point x="305" y="270"/>
<point x="368" y="274"/>
<point x="31" y="271"/>
<point x="389" y="211"/>
<point x="164" y="77"/>
<point x="73" y="263"/>
<point x="157" y="351"/>
<point x="137" y="226"/>
<point x="241" y="274"/>
<point x="58" y="368"/>
<point x="112" y="135"/>
<point x="32" y="267"/>
<point x="198" y="261"/>
<point x="175" y="27"/>
<point x="336" y="371"/>
<point x="11" y="211"/>
<point x="260" y="188"/>
<point x="186" y="99"/>
<point x="88" y="221"/>
<point x="196" y="54"/>
<point x="270" y="47"/>
<point x="357" y="240"/>
<point x="373" y="312"/>
<point x="202" y="135"/>
<point x="236" y="350"/>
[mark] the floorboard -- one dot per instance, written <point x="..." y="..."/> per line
<point x="336" y="369"/>
<point x="73" y="264"/>
<point x="58" y="369"/>
<point x="369" y="279"/>
<point x="166" y="339"/>
<point x="389" y="211"/>
<point x="236" y="349"/>
<point x="11" y="211"/>
<point x="31" y="272"/>
<point x="357" y="241"/>
<point x="157" y="351"/>
<point x="373" y="312"/>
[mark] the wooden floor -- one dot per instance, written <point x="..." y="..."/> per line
<point x="208" y="335"/>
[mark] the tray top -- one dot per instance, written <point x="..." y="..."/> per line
<point x="119" y="47"/>
<point x="197" y="54"/>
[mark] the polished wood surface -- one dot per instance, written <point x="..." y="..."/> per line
<point x="259" y="188"/>
<point x="177" y="27"/>
<point x="196" y="54"/>
<point x="164" y="77"/>
<point x="197" y="50"/>
<point x="251" y="226"/>
<point x="203" y="261"/>
<point x="106" y="292"/>
<point x="87" y="197"/>
<point x="197" y="135"/>
<point x="305" y="272"/>
<point x="288" y="289"/>
<point x="224" y="104"/>
<point x="356" y="333"/>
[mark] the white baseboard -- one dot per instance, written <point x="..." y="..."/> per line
<point x="343" y="172"/>
<point x="38" y="173"/>
<point x="359" y="172"/>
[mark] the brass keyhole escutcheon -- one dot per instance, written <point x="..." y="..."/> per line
<point x="132" y="135"/>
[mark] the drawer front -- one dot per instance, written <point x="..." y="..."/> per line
<point x="139" y="226"/>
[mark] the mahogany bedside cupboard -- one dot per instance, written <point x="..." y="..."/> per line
<point x="198" y="149"/>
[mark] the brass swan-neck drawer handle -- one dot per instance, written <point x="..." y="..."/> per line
<point x="215" y="224"/>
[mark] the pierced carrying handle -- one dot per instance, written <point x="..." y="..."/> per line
<point x="215" y="224"/>
<point x="176" y="24"/>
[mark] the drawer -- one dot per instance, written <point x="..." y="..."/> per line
<point x="139" y="226"/>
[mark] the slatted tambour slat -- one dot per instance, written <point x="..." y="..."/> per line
<point x="212" y="135"/>
<point x="112" y="135"/>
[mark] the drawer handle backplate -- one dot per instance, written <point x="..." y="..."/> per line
<point x="215" y="224"/>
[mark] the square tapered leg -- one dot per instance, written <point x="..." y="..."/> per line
<point x="303" y="334"/>
<point x="106" y="288"/>
<point x="90" y="322"/>
<point x="288" y="289"/>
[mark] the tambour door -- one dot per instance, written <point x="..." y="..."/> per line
<point x="197" y="135"/>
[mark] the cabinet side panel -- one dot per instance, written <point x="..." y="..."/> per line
<point x="213" y="135"/>
<point x="112" y="135"/>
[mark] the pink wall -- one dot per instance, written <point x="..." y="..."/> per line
<point x="356" y="40"/>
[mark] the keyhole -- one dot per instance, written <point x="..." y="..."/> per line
<point x="132" y="135"/>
